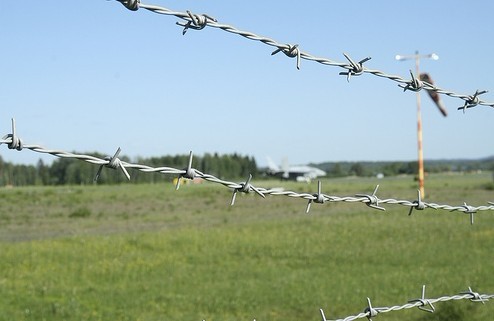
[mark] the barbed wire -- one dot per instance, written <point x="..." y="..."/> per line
<point x="372" y="200"/>
<point x="352" y="68"/>
<point x="421" y="303"/>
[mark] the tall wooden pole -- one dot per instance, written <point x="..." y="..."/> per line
<point x="417" y="57"/>
<point x="419" y="131"/>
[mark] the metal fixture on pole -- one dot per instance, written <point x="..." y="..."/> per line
<point x="417" y="57"/>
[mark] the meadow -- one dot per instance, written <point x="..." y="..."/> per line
<point x="148" y="252"/>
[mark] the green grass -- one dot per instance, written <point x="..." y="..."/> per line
<point x="148" y="252"/>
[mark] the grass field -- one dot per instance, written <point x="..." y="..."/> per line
<point x="147" y="252"/>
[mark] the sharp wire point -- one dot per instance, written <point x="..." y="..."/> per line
<point x="322" y="315"/>
<point x="307" y="210"/>
<point x="233" y="197"/>
<point x="258" y="192"/>
<point x="189" y="166"/>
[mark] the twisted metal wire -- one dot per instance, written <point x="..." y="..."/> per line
<point x="352" y="68"/>
<point x="421" y="303"/>
<point x="372" y="200"/>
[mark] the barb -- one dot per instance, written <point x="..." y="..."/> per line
<point x="421" y="303"/>
<point x="246" y="188"/>
<point x="372" y="201"/>
<point x="420" y="206"/>
<point x="424" y="302"/>
<point x="291" y="51"/>
<point x="470" y="210"/>
<point x="352" y="68"/>
<point x="188" y="172"/>
<point x="414" y="85"/>
<point x="196" y="22"/>
<point x="113" y="163"/>
<point x="473" y="100"/>
<point x="14" y="142"/>
<point x="319" y="197"/>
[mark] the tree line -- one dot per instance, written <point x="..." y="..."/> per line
<point x="228" y="166"/>
<point x="71" y="171"/>
<point x="393" y="168"/>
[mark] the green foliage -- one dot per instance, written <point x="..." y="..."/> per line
<point x="147" y="252"/>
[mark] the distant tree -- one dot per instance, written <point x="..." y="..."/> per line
<point x="336" y="171"/>
<point x="391" y="169"/>
<point x="357" y="169"/>
<point x="22" y="175"/>
<point x="58" y="171"/>
<point x="412" y="167"/>
<point x="42" y="173"/>
<point x="206" y="163"/>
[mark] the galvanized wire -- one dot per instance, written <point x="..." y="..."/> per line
<point x="352" y="67"/>
<point x="372" y="200"/>
<point x="421" y="303"/>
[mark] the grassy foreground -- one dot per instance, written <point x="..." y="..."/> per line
<point x="147" y="252"/>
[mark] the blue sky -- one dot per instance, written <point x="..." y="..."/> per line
<point x="93" y="76"/>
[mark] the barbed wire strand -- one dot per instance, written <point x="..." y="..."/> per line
<point x="372" y="200"/>
<point x="352" y="68"/>
<point x="421" y="303"/>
